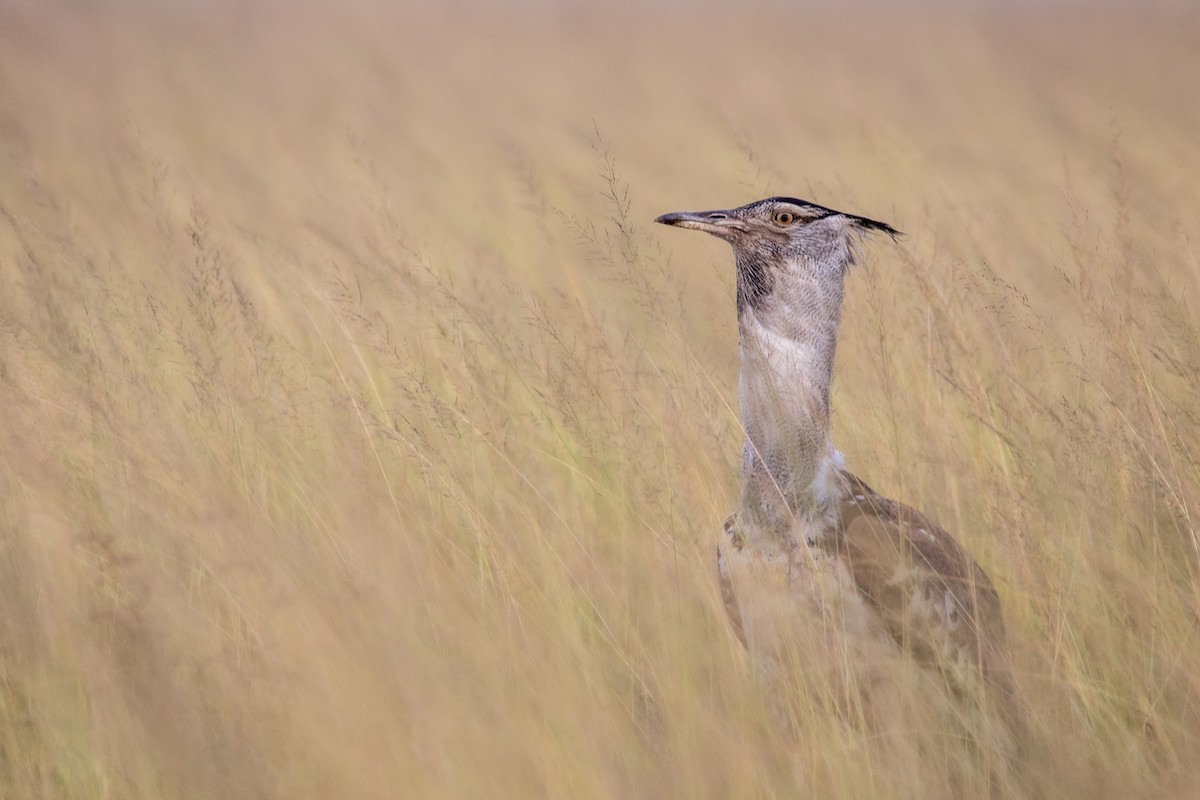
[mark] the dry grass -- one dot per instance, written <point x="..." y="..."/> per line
<point x="360" y="437"/>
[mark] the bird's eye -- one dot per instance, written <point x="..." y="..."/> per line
<point x="784" y="217"/>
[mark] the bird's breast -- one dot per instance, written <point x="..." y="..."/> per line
<point x="782" y="597"/>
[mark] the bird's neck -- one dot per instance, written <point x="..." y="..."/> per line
<point x="788" y="341"/>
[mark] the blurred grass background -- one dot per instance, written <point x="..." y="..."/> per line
<point x="360" y="436"/>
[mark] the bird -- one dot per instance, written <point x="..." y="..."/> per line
<point x="810" y="542"/>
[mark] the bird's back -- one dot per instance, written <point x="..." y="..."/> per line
<point x="932" y="598"/>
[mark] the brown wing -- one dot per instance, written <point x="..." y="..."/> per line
<point x="935" y="601"/>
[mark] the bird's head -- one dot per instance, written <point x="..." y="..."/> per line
<point x="782" y="236"/>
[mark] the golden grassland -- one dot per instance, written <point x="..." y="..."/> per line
<point x="361" y="437"/>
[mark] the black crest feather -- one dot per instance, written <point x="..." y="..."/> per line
<point x="865" y="223"/>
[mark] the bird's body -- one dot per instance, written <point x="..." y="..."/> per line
<point x="811" y="549"/>
<point x="875" y="571"/>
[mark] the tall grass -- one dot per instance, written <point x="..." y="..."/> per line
<point x="359" y="436"/>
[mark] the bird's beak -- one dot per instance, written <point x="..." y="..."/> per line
<point x="724" y="224"/>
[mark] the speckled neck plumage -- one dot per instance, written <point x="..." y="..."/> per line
<point x="788" y="338"/>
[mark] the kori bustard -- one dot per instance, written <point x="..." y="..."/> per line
<point x="808" y="536"/>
